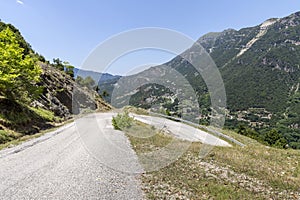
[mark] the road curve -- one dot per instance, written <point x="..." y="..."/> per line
<point x="60" y="166"/>
<point x="182" y="131"/>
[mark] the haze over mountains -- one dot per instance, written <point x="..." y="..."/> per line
<point x="260" y="67"/>
<point x="97" y="76"/>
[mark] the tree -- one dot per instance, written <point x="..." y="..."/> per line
<point x="273" y="138"/>
<point x="89" y="82"/>
<point x="105" y="93"/>
<point x="281" y="143"/>
<point x="79" y="80"/>
<point x="69" y="69"/>
<point x="19" y="73"/>
<point x="63" y="66"/>
<point x="246" y="131"/>
<point x="57" y="63"/>
<point x="97" y="88"/>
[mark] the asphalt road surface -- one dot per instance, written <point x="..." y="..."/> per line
<point x="59" y="165"/>
<point x="182" y="131"/>
<point x="86" y="159"/>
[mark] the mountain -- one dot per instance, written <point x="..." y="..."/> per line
<point x="97" y="76"/>
<point x="104" y="81"/>
<point x="260" y="67"/>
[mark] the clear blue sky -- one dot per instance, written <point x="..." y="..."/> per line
<point x="70" y="30"/>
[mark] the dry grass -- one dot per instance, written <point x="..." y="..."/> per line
<point x="279" y="168"/>
<point x="145" y="138"/>
<point x="251" y="172"/>
<point x="138" y="111"/>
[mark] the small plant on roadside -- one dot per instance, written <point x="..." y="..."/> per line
<point x="122" y="121"/>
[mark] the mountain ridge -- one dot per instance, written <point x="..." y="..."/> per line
<point x="260" y="69"/>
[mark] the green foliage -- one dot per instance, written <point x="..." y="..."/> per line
<point x="97" y="89"/>
<point x="63" y="66"/>
<point x="23" y="119"/>
<point x="139" y="111"/>
<point x="19" y="73"/>
<point x="70" y="70"/>
<point x="168" y="113"/>
<point x="44" y="114"/>
<point x="87" y="82"/>
<point x="21" y="41"/>
<point x="57" y="63"/>
<point x="273" y="138"/>
<point x="105" y="94"/>
<point x="122" y="121"/>
<point x="5" y="136"/>
<point x="246" y="131"/>
<point x="266" y="76"/>
<point x="79" y="80"/>
<point x="159" y="95"/>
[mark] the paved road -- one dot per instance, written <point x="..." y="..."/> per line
<point x="182" y="131"/>
<point x="61" y="165"/>
<point x="87" y="159"/>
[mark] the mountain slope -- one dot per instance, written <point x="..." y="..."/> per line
<point x="260" y="67"/>
<point x="101" y="78"/>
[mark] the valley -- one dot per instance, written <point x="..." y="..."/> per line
<point x="221" y="120"/>
<point x="260" y="69"/>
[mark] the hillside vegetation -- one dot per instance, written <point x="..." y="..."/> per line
<point x="34" y="94"/>
<point x="260" y="67"/>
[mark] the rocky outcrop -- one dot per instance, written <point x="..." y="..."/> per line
<point x="63" y="96"/>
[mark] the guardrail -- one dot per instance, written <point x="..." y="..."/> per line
<point x="210" y="130"/>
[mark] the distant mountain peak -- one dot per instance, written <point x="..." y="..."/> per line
<point x="268" y="22"/>
<point x="259" y="66"/>
<point x="291" y="20"/>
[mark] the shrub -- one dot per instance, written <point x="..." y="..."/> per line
<point x="273" y="138"/>
<point x="122" y="121"/>
<point x="3" y="137"/>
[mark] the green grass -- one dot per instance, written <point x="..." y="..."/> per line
<point x="18" y="138"/>
<point x="6" y="136"/>
<point x="251" y="172"/>
<point x="44" y="114"/>
<point x="20" y="122"/>
<point x="16" y="114"/>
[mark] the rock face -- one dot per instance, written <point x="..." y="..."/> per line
<point x="63" y="96"/>
<point x="60" y="99"/>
